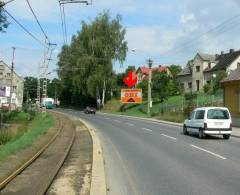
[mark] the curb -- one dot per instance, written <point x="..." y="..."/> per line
<point x="98" y="181"/>
<point x="153" y="120"/>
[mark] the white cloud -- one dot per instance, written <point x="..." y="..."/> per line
<point x="152" y="39"/>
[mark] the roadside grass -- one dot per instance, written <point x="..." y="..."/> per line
<point x="35" y="128"/>
<point x="167" y="110"/>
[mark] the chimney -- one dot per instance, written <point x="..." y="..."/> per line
<point x="231" y="50"/>
<point x="222" y="52"/>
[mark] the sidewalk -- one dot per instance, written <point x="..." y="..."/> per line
<point x="236" y="132"/>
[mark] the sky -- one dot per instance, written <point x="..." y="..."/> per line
<point x="169" y="32"/>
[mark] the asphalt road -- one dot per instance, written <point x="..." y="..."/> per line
<point x="149" y="158"/>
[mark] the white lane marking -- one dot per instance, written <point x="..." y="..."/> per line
<point x="169" y="136"/>
<point x="209" y="152"/>
<point x="107" y="118"/>
<point x="146" y="129"/>
<point x="130" y="124"/>
<point x="117" y="121"/>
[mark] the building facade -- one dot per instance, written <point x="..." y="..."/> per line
<point x="202" y="69"/>
<point x="5" y="87"/>
<point x="232" y="95"/>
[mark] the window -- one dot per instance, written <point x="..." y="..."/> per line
<point x="8" y="74"/>
<point x="1" y="73"/>
<point x="200" y="114"/>
<point x="217" y="114"/>
<point x="190" y="85"/>
<point x="238" y="65"/>
<point x="197" y="84"/>
<point x="197" y="68"/>
<point x="192" y="115"/>
<point x="14" y="88"/>
<point x="209" y="65"/>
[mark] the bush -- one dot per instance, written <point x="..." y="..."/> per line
<point x="5" y="136"/>
<point x="207" y="88"/>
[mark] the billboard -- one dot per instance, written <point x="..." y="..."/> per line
<point x="129" y="96"/>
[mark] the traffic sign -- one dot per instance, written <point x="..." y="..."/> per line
<point x="131" y="79"/>
<point x="129" y="96"/>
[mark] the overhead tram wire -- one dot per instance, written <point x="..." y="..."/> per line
<point x="31" y="9"/>
<point x="219" y="28"/>
<point x="24" y="28"/>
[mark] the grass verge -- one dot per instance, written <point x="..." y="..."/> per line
<point x="35" y="129"/>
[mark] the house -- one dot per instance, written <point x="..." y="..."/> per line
<point x="232" y="95"/>
<point x="143" y="72"/>
<point x="5" y="85"/>
<point x="204" y="67"/>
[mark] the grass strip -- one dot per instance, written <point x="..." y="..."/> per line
<point x="37" y="128"/>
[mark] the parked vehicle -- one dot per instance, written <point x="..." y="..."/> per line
<point x="209" y="121"/>
<point x="90" y="110"/>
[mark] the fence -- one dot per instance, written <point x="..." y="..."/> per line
<point x="182" y="105"/>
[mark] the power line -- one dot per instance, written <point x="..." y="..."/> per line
<point x="219" y="28"/>
<point x="24" y="28"/>
<point x="30" y="7"/>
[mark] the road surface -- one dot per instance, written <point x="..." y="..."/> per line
<point x="148" y="158"/>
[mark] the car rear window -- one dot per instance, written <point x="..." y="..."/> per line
<point x="217" y="114"/>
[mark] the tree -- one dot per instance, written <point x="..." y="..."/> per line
<point x="86" y="64"/>
<point x="30" y="88"/>
<point x="54" y="88"/>
<point x="3" y="19"/>
<point x="160" y="86"/>
<point x="220" y="75"/>
<point x="175" y="69"/>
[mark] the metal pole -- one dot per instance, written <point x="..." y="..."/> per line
<point x="12" y="71"/>
<point x="150" y="62"/>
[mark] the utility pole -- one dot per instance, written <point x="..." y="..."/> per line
<point x="150" y="62"/>
<point x="104" y="91"/>
<point x="12" y="72"/>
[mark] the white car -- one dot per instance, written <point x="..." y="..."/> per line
<point x="209" y="121"/>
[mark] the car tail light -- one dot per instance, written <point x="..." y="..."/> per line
<point x="205" y="125"/>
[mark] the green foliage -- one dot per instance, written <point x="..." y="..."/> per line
<point x="144" y="86"/>
<point x="175" y="69"/>
<point x="38" y="127"/>
<point x="87" y="62"/>
<point x="54" y="88"/>
<point x="207" y="88"/>
<point x="220" y="75"/>
<point x="160" y="86"/>
<point x="30" y="89"/>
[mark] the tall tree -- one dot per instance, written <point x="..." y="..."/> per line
<point x="30" y="89"/>
<point x="3" y="19"/>
<point x="160" y="86"/>
<point x="86" y="64"/>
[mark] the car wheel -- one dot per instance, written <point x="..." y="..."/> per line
<point x="200" y="134"/>
<point x="185" y="132"/>
<point x="226" y="136"/>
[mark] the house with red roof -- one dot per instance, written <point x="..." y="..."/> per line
<point x="143" y="72"/>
